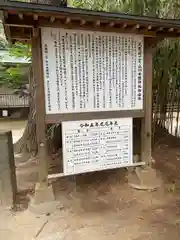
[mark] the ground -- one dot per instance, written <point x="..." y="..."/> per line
<point x="17" y="127"/>
<point x="100" y="205"/>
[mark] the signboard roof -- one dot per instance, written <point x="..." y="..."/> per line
<point x="25" y="15"/>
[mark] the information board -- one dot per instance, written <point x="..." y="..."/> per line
<point x="91" y="71"/>
<point x="96" y="145"/>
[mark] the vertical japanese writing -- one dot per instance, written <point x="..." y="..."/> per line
<point x="116" y="52"/>
<point x="119" y="90"/>
<point x="73" y="80"/>
<point x="79" y="68"/>
<point x="134" y="72"/>
<point x="58" y="73"/>
<point x="100" y="72"/>
<point x="139" y="96"/>
<point x="64" y="70"/>
<point x="123" y="72"/>
<point x="110" y="71"/>
<point x="92" y="71"/>
<point x="75" y="50"/>
<point x="47" y="77"/>
<point x="86" y="71"/>
<point x="97" y="73"/>
<point x="125" y="66"/>
<point x="107" y="71"/>
<point x="104" y="71"/>
<point x="83" y="69"/>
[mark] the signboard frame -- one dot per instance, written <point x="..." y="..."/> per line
<point x="97" y="145"/>
<point x="144" y="114"/>
<point x="55" y="118"/>
<point x="86" y="71"/>
<point x="61" y="117"/>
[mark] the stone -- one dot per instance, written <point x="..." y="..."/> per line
<point x="43" y="201"/>
<point x="43" y="193"/>
<point x="144" y="178"/>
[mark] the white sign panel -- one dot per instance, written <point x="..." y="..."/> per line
<point x="96" y="145"/>
<point x="92" y="71"/>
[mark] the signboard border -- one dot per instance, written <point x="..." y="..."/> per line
<point x="51" y="115"/>
<point x="102" y="168"/>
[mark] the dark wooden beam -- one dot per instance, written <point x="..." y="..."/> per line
<point x="160" y="29"/>
<point x="146" y="128"/>
<point x="56" y="118"/>
<point x="111" y="24"/>
<point x="52" y="19"/>
<point x="68" y="20"/>
<point x="136" y="27"/>
<point x="82" y="22"/>
<point x="124" y="25"/>
<point x="171" y="30"/>
<point x="40" y="106"/>
<point x="21" y="16"/>
<point x="35" y="17"/>
<point x="29" y="21"/>
<point x="97" y="23"/>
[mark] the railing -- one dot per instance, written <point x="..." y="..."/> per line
<point x="58" y="3"/>
<point x="13" y="101"/>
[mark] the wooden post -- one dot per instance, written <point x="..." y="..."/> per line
<point x="40" y="106"/>
<point x="8" y="185"/>
<point x="147" y="120"/>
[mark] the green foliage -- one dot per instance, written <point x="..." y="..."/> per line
<point x="17" y="75"/>
<point x="161" y="8"/>
<point x="13" y="76"/>
<point x="149" y="7"/>
<point x="20" y="50"/>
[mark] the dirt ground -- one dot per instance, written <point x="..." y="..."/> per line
<point x="101" y="205"/>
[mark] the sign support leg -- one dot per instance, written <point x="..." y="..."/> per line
<point x="43" y="192"/>
<point x="145" y="178"/>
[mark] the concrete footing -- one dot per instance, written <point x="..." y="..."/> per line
<point x="43" y="193"/>
<point x="43" y="201"/>
<point x="144" y="178"/>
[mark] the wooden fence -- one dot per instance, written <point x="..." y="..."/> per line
<point x="58" y="3"/>
<point x="13" y="101"/>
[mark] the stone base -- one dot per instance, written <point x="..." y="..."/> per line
<point x="43" y="201"/>
<point x="43" y="194"/>
<point x="143" y="178"/>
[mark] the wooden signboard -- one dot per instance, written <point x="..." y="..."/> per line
<point x="96" y="145"/>
<point x="92" y="71"/>
<point x="86" y="71"/>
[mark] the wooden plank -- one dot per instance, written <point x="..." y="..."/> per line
<point x="57" y="118"/>
<point x="8" y="184"/>
<point x="58" y="175"/>
<point x="75" y="23"/>
<point x="146" y="127"/>
<point x="92" y="27"/>
<point x="129" y="29"/>
<point x="40" y="106"/>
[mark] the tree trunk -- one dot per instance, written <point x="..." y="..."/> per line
<point x="28" y="142"/>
